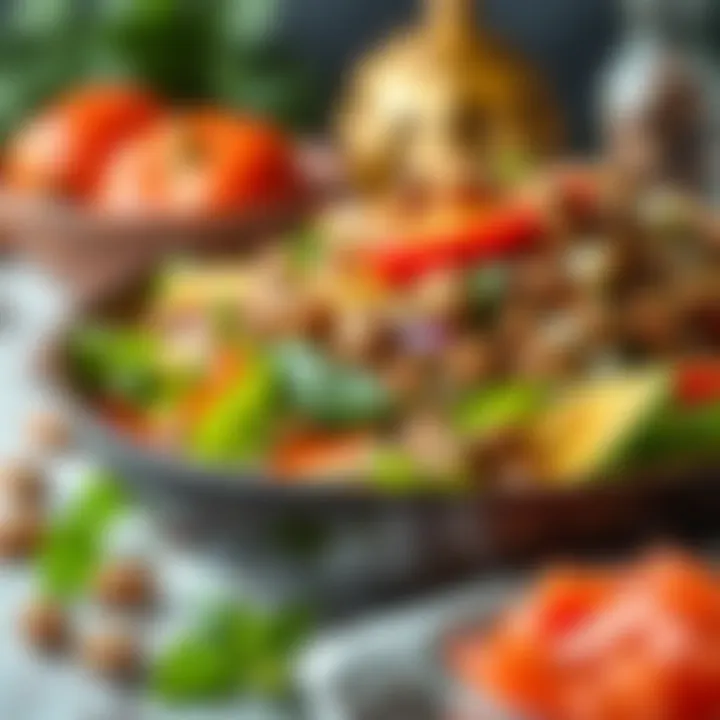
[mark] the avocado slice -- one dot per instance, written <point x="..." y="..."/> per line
<point x="588" y="428"/>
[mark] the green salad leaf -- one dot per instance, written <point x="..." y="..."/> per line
<point x="238" y="648"/>
<point x="72" y="550"/>
<point x="120" y="362"/>
<point x="326" y="392"/>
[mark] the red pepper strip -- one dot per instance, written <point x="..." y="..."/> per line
<point x="698" y="382"/>
<point x="499" y="234"/>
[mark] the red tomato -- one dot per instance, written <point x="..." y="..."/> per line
<point x="698" y="381"/>
<point x="202" y="163"/>
<point x="64" y="150"/>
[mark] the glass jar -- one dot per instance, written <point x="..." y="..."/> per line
<point x="658" y="104"/>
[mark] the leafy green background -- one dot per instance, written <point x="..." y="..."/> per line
<point x="188" y="51"/>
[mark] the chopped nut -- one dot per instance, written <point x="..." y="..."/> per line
<point x="502" y="459"/>
<point x="652" y="322"/>
<point x="440" y="296"/>
<point x="429" y="439"/>
<point x="126" y="584"/>
<point x="314" y="317"/>
<point x="469" y="360"/>
<point x="541" y="282"/>
<point x="112" y="653"/>
<point x="405" y="377"/>
<point x="44" y="625"/>
<point x="23" y="485"/>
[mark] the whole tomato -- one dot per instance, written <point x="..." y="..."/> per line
<point x="202" y="163"/>
<point x="63" y="151"/>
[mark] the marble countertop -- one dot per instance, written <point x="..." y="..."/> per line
<point x="31" y="689"/>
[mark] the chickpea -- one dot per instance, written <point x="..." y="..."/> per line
<point x="468" y="360"/>
<point x="503" y="458"/>
<point x="21" y="534"/>
<point x="24" y="485"/>
<point x="430" y="440"/>
<point x="268" y="308"/>
<point x="544" y="356"/>
<point x="314" y="317"/>
<point x="361" y="337"/>
<point x="112" y="653"/>
<point x="44" y="625"/>
<point x="440" y="296"/>
<point x="49" y="431"/>
<point x="542" y="282"/>
<point x="406" y="377"/>
<point x="125" y="584"/>
<point x="652" y="322"/>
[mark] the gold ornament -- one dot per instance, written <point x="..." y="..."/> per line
<point x="443" y="104"/>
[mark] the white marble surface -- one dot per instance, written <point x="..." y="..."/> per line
<point x="30" y="689"/>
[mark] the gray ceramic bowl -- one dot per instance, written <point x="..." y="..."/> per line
<point x="449" y="530"/>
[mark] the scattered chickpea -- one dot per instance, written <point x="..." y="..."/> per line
<point x="440" y="295"/>
<point x="502" y="459"/>
<point x="21" y="534"/>
<point x="468" y="360"/>
<point x="48" y="431"/>
<point x="44" y="624"/>
<point x="125" y="584"/>
<point x="363" y="338"/>
<point x="113" y="654"/>
<point x="405" y="377"/>
<point x="429" y="439"/>
<point x="23" y="485"/>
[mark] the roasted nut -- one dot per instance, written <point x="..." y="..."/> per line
<point x="314" y="317"/>
<point x="21" y="534"/>
<point x="112" y="653"/>
<point x="44" y="625"/>
<point x="468" y="360"/>
<point x="49" y="431"/>
<point x="651" y="322"/>
<point x="406" y="377"/>
<point x="268" y="309"/>
<point x="125" y="584"/>
<point x="23" y="485"/>
<point x="361" y="337"/>
<point x="429" y="439"/>
<point x="545" y="358"/>
<point x="440" y="296"/>
<point x="502" y="459"/>
<point x="541" y="282"/>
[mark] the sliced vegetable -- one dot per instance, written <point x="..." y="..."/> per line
<point x="588" y="427"/>
<point x="122" y="362"/>
<point x="496" y="234"/>
<point x="698" y="382"/>
<point x="500" y="407"/>
<point x="322" y="456"/>
<point x="236" y="427"/>
<point x="328" y="393"/>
